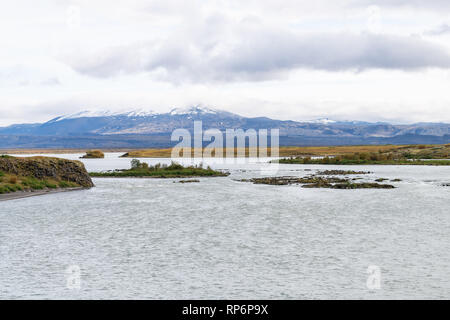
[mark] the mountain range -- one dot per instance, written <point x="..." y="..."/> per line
<point x="140" y="128"/>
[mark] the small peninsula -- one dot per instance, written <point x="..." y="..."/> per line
<point x="174" y="170"/>
<point x="27" y="176"/>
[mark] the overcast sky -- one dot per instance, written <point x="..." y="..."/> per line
<point x="379" y="60"/>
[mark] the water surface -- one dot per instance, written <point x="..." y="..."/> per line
<point x="153" y="238"/>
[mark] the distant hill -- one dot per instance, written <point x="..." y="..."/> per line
<point x="138" y="129"/>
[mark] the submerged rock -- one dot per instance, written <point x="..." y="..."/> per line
<point x="340" y="172"/>
<point x="281" y="181"/>
<point x="366" y="185"/>
<point x="187" y="181"/>
<point x="318" y="182"/>
<point x="349" y="186"/>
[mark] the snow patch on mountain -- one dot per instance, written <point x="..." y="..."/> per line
<point x="139" y="113"/>
<point x="192" y="110"/>
<point x="197" y="110"/>
<point x="105" y="113"/>
<point x="322" y="121"/>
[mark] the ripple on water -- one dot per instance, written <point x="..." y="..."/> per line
<point x="152" y="238"/>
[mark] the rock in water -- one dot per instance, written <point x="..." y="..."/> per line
<point x="93" y="154"/>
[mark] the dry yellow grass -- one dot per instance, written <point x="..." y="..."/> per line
<point x="93" y="154"/>
<point x="333" y="150"/>
<point x="54" y="151"/>
<point x="283" y="151"/>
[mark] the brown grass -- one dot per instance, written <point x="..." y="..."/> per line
<point x="283" y="151"/>
<point x="93" y="154"/>
<point x="12" y="179"/>
<point x="56" y="151"/>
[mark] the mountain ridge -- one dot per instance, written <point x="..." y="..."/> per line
<point x="139" y="122"/>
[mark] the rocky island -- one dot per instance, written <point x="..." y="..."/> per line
<point x="93" y="154"/>
<point x="29" y="176"/>
<point x="322" y="179"/>
<point x="174" y="170"/>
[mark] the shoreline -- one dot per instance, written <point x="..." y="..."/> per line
<point x="154" y="177"/>
<point x="58" y="151"/>
<point x="26" y="194"/>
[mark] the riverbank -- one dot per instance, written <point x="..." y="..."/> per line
<point x="26" y="194"/>
<point x="30" y="176"/>
<point x="357" y="161"/>
<point x="55" y="151"/>
<point x="425" y="155"/>
<point x="407" y="151"/>
<point x="283" y="151"/>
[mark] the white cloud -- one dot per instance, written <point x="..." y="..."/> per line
<point x="440" y="30"/>
<point x="284" y="59"/>
<point x="431" y="4"/>
<point x="253" y="52"/>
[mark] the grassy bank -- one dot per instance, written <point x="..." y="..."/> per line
<point x="283" y="151"/>
<point x="12" y="183"/>
<point x="57" y="151"/>
<point x="358" y="159"/>
<point x="407" y="151"/>
<point x="174" y="170"/>
<point x="387" y="155"/>
<point x="39" y="173"/>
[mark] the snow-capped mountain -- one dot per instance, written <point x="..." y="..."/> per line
<point x="102" y="114"/>
<point x="133" y="113"/>
<point x="137" y="123"/>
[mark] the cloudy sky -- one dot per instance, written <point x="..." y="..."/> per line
<point x="373" y="60"/>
